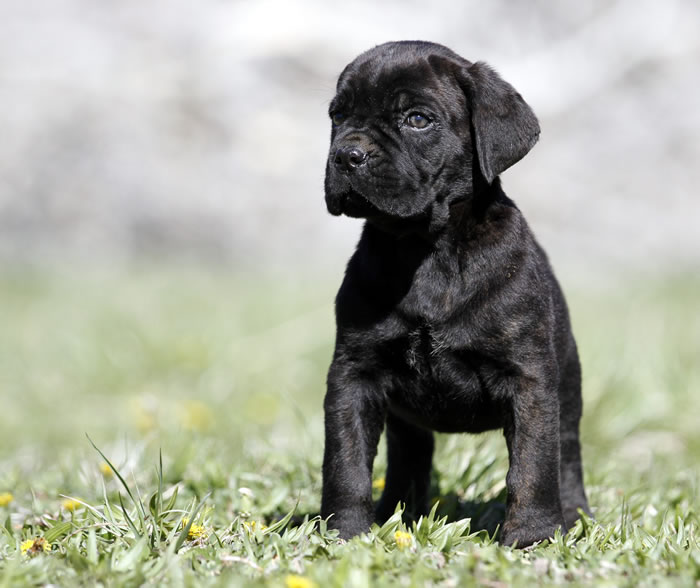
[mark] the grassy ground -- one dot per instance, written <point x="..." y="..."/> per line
<point x="203" y="393"/>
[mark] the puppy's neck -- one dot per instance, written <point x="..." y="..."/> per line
<point x="471" y="216"/>
<point x="452" y="224"/>
<point x="478" y="207"/>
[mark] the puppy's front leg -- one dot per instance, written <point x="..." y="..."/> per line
<point x="354" y="413"/>
<point x="533" y="509"/>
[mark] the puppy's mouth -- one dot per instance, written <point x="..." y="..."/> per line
<point x="351" y="203"/>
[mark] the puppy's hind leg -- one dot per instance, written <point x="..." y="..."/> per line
<point x="572" y="492"/>
<point x="410" y="456"/>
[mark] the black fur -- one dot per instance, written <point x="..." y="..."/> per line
<point x="449" y="317"/>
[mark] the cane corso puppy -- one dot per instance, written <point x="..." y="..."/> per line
<point x="449" y="317"/>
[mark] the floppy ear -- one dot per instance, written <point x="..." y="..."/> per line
<point x="505" y="128"/>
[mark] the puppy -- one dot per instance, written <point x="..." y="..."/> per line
<point x="449" y="318"/>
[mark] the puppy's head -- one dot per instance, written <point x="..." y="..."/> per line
<point x="409" y="122"/>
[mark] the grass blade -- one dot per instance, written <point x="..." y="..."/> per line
<point x="186" y="530"/>
<point x="116" y="472"/>
<point x="58" y="531"/>
<point x="128" y="519"/>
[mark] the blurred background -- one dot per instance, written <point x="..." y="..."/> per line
<point x="167" y="265"/>
<point x="185" y="130"/>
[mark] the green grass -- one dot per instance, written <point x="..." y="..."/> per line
<point x="202" y="393"/>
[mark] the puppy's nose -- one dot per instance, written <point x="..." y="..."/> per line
<point x="350" y="157"/>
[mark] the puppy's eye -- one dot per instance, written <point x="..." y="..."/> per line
<point x="417" y="120"/>
<point x="337" y="118"/>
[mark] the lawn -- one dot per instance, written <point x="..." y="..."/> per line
<point x="164" y="426"/>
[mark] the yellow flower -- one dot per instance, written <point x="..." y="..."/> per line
<point x="379" y="484"/>
<point x="403" y="539"/>
<point x="252" y="525"/>
<point x="145" y="422"/>
<point x="196" y="531"/>
<point x="195" y="416"/>
<point x="6" y="498"/>
<point x="71" y="505"/>
<point x="32" y="547"/>
<point x="106" y="470"/>
<point x="144" y="414"/>
<point x="294" y="581"/>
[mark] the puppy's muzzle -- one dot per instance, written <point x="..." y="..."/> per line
<point x="349" y="158"/>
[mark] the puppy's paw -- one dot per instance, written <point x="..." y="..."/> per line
<point x="529" y="531"/>
<point x="350" y="523"/>
<point x="571" y="514"/>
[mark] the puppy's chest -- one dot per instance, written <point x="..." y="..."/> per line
<point x="437" y="384"/>
<point x="430" y="355"/>
<point x="424" y="349"/>
<point x="434" y="326"/>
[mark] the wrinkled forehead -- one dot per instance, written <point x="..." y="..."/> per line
<point x="396" y="81"/>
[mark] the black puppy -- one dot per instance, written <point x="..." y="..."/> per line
<point x="449" y="318"/>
